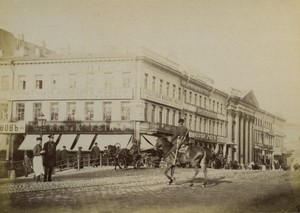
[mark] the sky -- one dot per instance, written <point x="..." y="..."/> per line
<point x="246" y="45"/>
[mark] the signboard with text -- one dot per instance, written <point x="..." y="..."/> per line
<point x="12" y="128"/>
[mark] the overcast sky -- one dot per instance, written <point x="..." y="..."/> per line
<point x="240" y="44"/>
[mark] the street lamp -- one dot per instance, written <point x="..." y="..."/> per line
<point x="41" y="122"/>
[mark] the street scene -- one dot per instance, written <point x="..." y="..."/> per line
<point x="146" y="190"/>
<point x="149" y="106"/>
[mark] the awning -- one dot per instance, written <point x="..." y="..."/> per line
<point x="66" y="140"/>
<point x="105" y="140"/>
<point x="146" y="140"/>
<point x="30" y="141"/>
<point x="3" y="142"/>
<point x="84" y="141"/>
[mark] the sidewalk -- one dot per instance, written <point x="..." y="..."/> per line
<point x="58" y="173"/>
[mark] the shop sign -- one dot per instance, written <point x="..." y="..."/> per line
<point x="45" y="94"/>
<point x="82" y="127"/>
<point x="137" y="111"/>
<point x="203" y="136"/>
<point x="12" y="128"/>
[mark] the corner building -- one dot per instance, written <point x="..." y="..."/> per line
<point x="115" y="97"/>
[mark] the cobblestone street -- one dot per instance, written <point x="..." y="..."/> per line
<point x="146" y="190"/>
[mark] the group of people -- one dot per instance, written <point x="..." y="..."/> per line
<point x="44" y="159"/>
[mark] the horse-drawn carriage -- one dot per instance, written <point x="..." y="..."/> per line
<point x="123" y="156"/>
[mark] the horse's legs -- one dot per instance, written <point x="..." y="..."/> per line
<point x="204" y="168"/>
<point x="169" y="166"/>
<point x="196" y="169"/>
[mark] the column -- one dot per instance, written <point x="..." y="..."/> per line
<point x="229" y="127"/>
<point x="236" y="137"/>
<point x="229" y="157"/>
<point x="246" y="160"/>
<point x="251" y="140"/>
<point x="242" y="139"/>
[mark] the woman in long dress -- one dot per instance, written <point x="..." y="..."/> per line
<point x="37" y="159"/>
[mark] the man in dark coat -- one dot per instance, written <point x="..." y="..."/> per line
<point x="181" y="136"/>
<point x="64" y="157"/>
<point x="49" y="157"/>
<point x="95" y="155"/>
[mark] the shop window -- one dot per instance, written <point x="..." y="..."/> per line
<point x="125" y="110"/>
<point x="20" y="111"/>
<point x="54" y="111"/>
<point x="89" y="111"/>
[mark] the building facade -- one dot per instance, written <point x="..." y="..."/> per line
<point x="114" y="98"/>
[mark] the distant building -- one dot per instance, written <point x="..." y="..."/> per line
<point x="114" y="97"/>
<point x="11" y="46"/>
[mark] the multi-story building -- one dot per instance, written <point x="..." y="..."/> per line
<point x="112" y="98"/>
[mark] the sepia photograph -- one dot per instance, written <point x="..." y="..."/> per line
<point x="149" y="106"/>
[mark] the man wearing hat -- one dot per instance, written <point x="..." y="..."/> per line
<point x="37" y="159"/>
<point x="182" y="136"/>
<point x="95" y="155"/>
<point x="64" y="157"/>
<point x="49" y="157"/>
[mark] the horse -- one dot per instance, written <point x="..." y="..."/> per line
<point x="122" y="155"/>
<point x="194" y="155"/>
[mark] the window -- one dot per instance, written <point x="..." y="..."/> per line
<point x="221" y="108"/>
<point x="204" y="126"/>
<point x="167" y="116"/>
<point x="218" y="107"/>
<point x="160" y="114"/>
<point x="195" y="123"/>
<point x="205" y="102"/>
<point x="71" y="110"/>
<point x="125" y="110"/>
<point x="20" y="111"/>
<point x="161" y="86"/>
<point x="3" y="112"/>
<point x="174" y="91"/>
<point x="126" y="79"/>
<point x="146" y="81"/>
<point x="107" y="111"/>
<point x="90" y="80"/>
<point x="72" y="81"/>
<point x="184" y="94"/>
<point x="146" y="112"/>
<point x="200" y="124"/>
<point x="173" y="117"/>
<point x="38" y="82"/>
<point x="168" y="89"/>
<point x="213" y="107"/>
<point x="153" y="83"/>
<point x="108" y="80"/>
<point x="200" y="101"/>
<point x="209" y="104"/>
<point x="37" y="110"/>
<point x="221" y="129"/>
<point x="190" y="97"/>
<point x="54" y="111"/>
<point x="21" y="82"/>
<point x="179" y="93"/>
<point x="4" y="83"/>
<point x="54" y="81"/>
<point x="89" y="111"/>
<point x="190" y="121"/>
<point x="196" y="99"/>
<point x="153" y="114"/>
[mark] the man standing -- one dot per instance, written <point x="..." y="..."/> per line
<point x="134" y="150"/>
<point x="182" y="136"/>
<point x="95" y="155"/>
<point x="37" y="159"/>
<point x="64" y="157"/>
<point x="49" y="157"/>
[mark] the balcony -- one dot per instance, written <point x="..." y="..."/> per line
<point x="160" y="98"/>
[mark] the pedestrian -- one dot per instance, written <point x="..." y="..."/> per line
<point x="79" y="158"/>
<point x="49" y="158"/>
<point x="95" y="155"/>
<point x="133" y="151"/>
<point x="64" y="157"/>
<point x="37" y="159"/>
<point x="27" y="165"/>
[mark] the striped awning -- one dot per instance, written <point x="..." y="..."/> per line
<point x="30" y="141"/>
<point x="84" y="141"/>
<point x="146" y="141"/>
<point x="66" y="140"/>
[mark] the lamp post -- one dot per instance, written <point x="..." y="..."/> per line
<point x="41" y="122"/>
